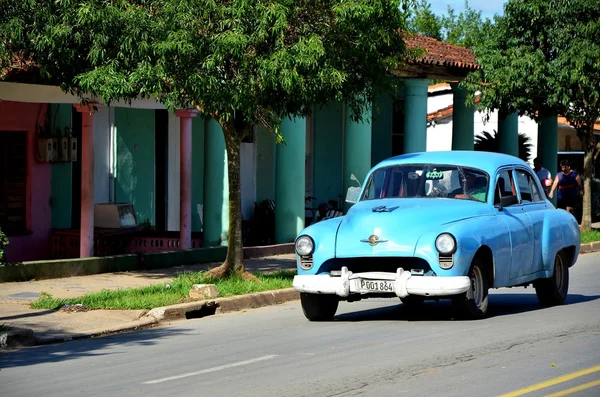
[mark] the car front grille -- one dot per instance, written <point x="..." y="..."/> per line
<point x="370" y="264"/>
<point x="306" y="262"/>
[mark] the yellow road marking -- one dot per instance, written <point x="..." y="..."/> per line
<point x="575" y="389"/>
<point x="552" y="382"/>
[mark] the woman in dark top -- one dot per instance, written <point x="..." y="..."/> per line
<point x="569" y="187"/>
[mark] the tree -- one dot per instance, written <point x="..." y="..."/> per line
<point x="464" y="29"/>
<point x="240" y="62"/>
<point x="491" y="143"/>
<point x="541" y="58"/>
<point x="423" y="21"/>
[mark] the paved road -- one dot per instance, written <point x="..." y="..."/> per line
<point x="373" y="348"/>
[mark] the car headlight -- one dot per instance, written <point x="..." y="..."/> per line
<point x="305" y="245"/>
<point x="445" y="244"/>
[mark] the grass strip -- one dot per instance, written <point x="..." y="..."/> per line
<point x="172" y="293"/>
<point x="590" y="236"/>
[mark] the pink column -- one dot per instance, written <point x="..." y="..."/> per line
<point x="185" y="177"/>
<point x="86" y="236"/>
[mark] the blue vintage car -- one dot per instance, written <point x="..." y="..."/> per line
<point x="439" y="225"/>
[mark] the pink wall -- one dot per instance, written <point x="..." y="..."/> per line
<point x="20" y="116"/>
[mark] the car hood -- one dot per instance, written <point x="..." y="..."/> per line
<point x="399" y="223"/>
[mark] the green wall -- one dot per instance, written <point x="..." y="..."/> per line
<point x="327" y="152"/>
<point x="197" y="170"/>
<point x="265" y="165"/>
<point x="62" y="173"/>
<point x="135" y="170"/>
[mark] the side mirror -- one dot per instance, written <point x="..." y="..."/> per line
<point x="352" y="195"/>
<point x="353" y="192"/>
<point x="507" y="201"/>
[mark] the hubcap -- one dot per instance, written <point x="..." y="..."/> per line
<point x="558" y="273"/>
<point x="477" y="286"/>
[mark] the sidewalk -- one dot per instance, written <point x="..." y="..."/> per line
<point x="48" y="326"/>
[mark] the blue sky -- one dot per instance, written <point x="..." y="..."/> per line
<point x="487" y="7"/>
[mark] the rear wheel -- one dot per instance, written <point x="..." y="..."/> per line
<point x="553" y="291"/>
<point x="474" y="302"/>
<point x="318" y="307"/>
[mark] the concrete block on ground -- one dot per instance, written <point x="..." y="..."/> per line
<point x="204" y="291"/>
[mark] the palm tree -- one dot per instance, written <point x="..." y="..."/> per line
<point x="491" y="143"/>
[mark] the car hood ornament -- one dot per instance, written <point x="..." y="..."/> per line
<point x="373" y="240"/>
<point x="383" y="208"/>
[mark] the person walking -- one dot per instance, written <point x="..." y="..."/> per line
<point x="543" y="175"/>
<point x="569" y="187"/>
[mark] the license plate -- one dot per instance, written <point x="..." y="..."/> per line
<point x="365" y="285"/>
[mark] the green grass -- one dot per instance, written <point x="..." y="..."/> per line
<point x="591" y="236"/>
<point x="4" y="327"/>
<point x="168" y="294"/>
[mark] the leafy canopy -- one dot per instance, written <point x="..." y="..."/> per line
<point x="542" y="55"/>
<point x="464" y="28"/>
<point x="263" y="58"/>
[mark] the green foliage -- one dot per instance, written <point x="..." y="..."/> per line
<point x="541" y="58"/>
<point x="266" y="59"/>
<point x="463" y="29"/>
<point x="168" y="294"/>
<point x="491" y="143"/>
<point x="423" y="21"/>
<point x="240" y="62"/>
<point x="3" y="243"/>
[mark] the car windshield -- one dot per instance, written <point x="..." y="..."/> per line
<point x="427" y="180"/>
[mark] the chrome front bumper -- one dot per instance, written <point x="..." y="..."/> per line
<point x="404" y="283"/>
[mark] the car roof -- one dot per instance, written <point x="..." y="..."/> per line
<point x="486" y="161"/>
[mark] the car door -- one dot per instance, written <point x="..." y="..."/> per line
<point x="519" y="226"/>
<point x="534" y="205"/>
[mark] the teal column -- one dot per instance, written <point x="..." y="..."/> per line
<point x="381" y="141"/>
<point x="62" y="173"/>
<point x="508" y="133"/>
<point x="415" y="115"/>
<point x="216" y="186"/>
<point x="357" y="149"/>
<point x="547" y="145"/>
<point x="327" y="152"/>
<point x="463" y="120"/>
<point x="290" y="181"/>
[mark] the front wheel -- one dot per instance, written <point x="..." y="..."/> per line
<point x="474" y="302"/>
<point x="317" y="307"/>
<point x="553" y="291"/>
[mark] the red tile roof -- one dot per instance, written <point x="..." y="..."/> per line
<point x="563" y="120"/>
<point x="438" y="53"/>
<point x="444" y="112"/>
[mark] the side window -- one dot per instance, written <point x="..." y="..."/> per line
<point x="504" y="186"/>
<point x="528" y="188"/>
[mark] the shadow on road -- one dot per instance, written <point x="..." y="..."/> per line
<point x="24" y="357"/>
<point x="499" y="305"/>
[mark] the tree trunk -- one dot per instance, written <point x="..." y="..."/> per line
<point x="588" y="170"/>
<point x="234" y="262"/>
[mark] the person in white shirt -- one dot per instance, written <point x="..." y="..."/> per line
<point x="543" y="175"/>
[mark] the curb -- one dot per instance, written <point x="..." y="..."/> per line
<point x="223" y="305"/>
<point x="21" y="337"/>
<point x="589" y="247"/>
